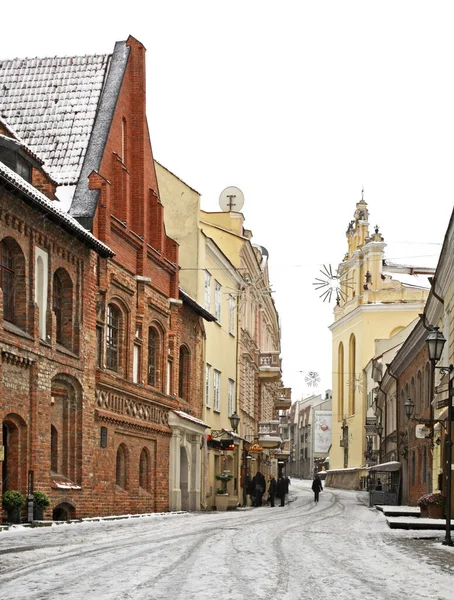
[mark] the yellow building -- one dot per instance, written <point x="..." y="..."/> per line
<point x="375" y="301"/>
<point x="208" y="276"/>
<point x="261" y="393"/>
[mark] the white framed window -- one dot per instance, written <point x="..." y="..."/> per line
<point x="207" y="290"/>
<point x="169" y="378"/>
<point x="231" y="315"/>
<point x="207" y="384"/>
<point x="41" y="286"/>
<point x="216" y="390"/>
<point x="231" y="397"/>
<point x="136" y="364"/>
<point x="217" y="300"/>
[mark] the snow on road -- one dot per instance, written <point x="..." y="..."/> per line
<point x="339" y="548"/>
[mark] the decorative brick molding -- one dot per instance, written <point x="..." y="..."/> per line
<point x="122" y="405"/>
<point x="15" y="359"/>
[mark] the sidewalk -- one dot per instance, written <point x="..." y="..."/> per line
<point x="408" y="517"/>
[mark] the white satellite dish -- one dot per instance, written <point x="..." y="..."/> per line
<point x="231" y="199"/>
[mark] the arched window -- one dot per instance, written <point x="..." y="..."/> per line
<point x="113" y="337"/>
<point x="154" y="357"/>
<point x="413" y="396"/>
<point x="41" y="291"/>
<point x="352" y="375"/>
<point x="340" y="382"/>
<point x="121" y="467"/>
<point x="419" y="396"/>
<point x="57" y="302"/>
<point x="13" y="283"/>
<point x="144" y="470"/>
<point x="62" y="306"/>
<point x="183" y="373"/>
<point x="427" y="385"/>
<point x="53" y="449"/>
<point x="124" y="138"/>
<point x="7" y="281"/>
<point x="66" y="428"/>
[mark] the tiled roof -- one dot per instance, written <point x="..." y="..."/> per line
<point x="52" y="209"/>
<point x="51" y="103"/>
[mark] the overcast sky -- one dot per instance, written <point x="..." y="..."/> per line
<point x="300" y="104"/>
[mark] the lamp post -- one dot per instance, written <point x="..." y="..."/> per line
<point x="435" y="342"/>
<point x="234" y="421"/>
<point x="379" y="430"/>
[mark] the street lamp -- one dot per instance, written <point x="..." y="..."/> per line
<point x="234" y="421"/>
<point x="435" y="342"/>
<point x="409" y="408"/>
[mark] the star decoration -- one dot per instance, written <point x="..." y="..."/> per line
<point x="332" y="285"/>
<point x="312" y="379"/>
<point x="356" y="382"/>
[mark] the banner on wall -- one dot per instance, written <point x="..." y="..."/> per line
<point x="322" y="431"/>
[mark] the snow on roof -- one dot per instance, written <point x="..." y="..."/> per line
<point x="388" y="466"/>
<point x="413" y="254"/>
<point x="188" y="417"/>
<point x="51" y="103"/>
<point x="41" y="201"/>
<point x="407" y="279"/>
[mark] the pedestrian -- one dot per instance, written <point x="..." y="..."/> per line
<point x="251" y="490"/>
<point x="281" y="490"/>
<point x="260" y="484"/>
<point x="287" y="481"/>
<point x="316" y="487"/>
<point x="272" y="490"/>
<point x="379" y="486"/>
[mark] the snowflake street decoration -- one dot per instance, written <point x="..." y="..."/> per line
<point x="332" y="284"/>
<point x="356" y="382"/>
<point x="312" y="379"/>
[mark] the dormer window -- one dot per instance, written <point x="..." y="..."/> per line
<point x="23" y="168"/>
<point x="16" y="162"/>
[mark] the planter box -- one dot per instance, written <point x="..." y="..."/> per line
<point x="38" y="513"/>
<point x="435" y="511"/>
<point x="222" y="501"/>
<point x="14" y="515"/>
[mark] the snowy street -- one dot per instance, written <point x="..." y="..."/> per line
<point x="339" y="548"/>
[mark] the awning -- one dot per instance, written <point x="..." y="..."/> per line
<point x="385" y="467"/>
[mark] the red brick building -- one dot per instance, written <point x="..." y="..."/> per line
<point x="123" y="345"/>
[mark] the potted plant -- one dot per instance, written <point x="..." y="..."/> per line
<point x="432" y="505"/>
<point x="40" y="503"/>
<point x="12" y="502"/>
<point x="225" y="476"/>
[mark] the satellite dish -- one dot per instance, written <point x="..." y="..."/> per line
<point x="231" y="199"/>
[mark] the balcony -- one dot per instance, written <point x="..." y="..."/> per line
<point x="284" y="399"/>
<point x="270" y="366"/>
<point x="268" y="434"/>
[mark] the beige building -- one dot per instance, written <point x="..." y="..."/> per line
<point x="213" y="281"/>
<point x="262" y="397"/>
<point x="228" y="275"/>
<point x="376" y="300"/>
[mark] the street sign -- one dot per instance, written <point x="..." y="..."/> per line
<point x="422" y="432"/>
<point x="442" y="403"/>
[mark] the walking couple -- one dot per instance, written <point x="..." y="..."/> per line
<point x="278" y="489"/>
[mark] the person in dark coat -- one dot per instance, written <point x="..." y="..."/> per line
<point x="259" y="485"/>
<point x="272" y="489"/>
<point x="281" y="489"/>
<point x="250" y="489"/>
<point x="317" y="487"/>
